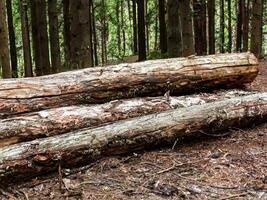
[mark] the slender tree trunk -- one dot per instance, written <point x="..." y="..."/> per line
<point x="204" y="26"/>
<point x="198" y="26"/>
<point x="66" y="16"/>
<point x="94" y="35"/>
<point x="222" y="26"/>
<point x="256" y="33"/>
<point x="141" y="30"/>
<point x="80" y="49"/>
<point x="91" y="31"/>
<point x="245" y="19"/>
<point x="147" y="24"/>
<point x="211" y="25"/>
<point x="239" y="26"/>
<point x="229" y="26"/>
<point x="130" y="17"/>
<point x="12" y="40"/>
<point x="4" y="49"/>
<point x="118" y="22"/>
<point x="156" y="25"/>
<point x="25" y="38"/>
<point x="40" y="37"/>
<point x="174" y="29"/>
<point x="135" y="28"/>
<point x="162" y="26"/>
<point x="54" y="36"/>
<point x="123" y="29"/>
<point x="187" y="28"/>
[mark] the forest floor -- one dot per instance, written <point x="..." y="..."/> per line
<point x="232" y="166"/>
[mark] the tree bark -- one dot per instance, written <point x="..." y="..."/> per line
<point x="174" y="39"/>
<point x="162" y="26"/>
<point x="94" y="85"/>
<point x="135" y="27"/>
<point x="229" y="26"/>
<point x="65" y="119"/>
<point x="94" y="35"/>
<point x="12" y="40"/>
<point x="239" y="26"/>
<point x="54" y="36"/>
<point x="187" y="28"/>
<point x="211" y="26"/>
<point x="80" y="49"/>
<point x="4" y="49"/>
<point x="27" y="160"/>
<point x="222" y="26"/>
<point x="256" y="29"/>
<point x="28" y="72"/>
<point x="245" y="19"/>
<point x="67" y="36"/>
<point x="141" y="30"/>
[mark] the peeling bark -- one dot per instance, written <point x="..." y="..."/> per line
<point x="27" y="160"/>
<point x="65" y="119"/>
<point x="150" y="78"/>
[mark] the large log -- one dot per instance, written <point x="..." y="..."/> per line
<point x="66" y="119"/>
<point x="26" y="160"/>
<point x="150" y="78"/>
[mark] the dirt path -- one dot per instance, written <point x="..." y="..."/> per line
<point x="231" y="166"/>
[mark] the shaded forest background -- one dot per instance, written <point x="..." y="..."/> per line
<point x="39" y="37"/>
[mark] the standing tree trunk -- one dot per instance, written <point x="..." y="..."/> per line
<point x="204" y="26"/>
<point x="211" y="25"/>
<point x="25" y="39"/>
<point x="123" y="28"/>
<point x="239" y="26"/>
<point x="256" y="32"/>
<point x="245" y="19"/>
<point x="198" y="27"/>
<point x="40" y="37"/>
<point x="187" y="28"/>
<point x="4" y="50"/>
<point x="229" y="26"/>
<point x="147" y="24"/>
<point x="12" y="39"/>
<point x="135" y="27"/>
<point x="66" y="16"/>
<point x="141" y="30"/>
<point x="162" y="26"/>
<point x="222" y="26"/>
<point x="94" y="35"/>
<point x="118" y="22"/>
<point x="174" y="29"/>
<point x="80" y="49"/>
<point x="54" y="36"/>
<point x="156" y="27"/>
<point x="91" y="31"/>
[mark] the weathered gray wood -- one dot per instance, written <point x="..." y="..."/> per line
<point x="150" y="78"/>
<point x="26" y="160"/>
<point x="65" y="119"/>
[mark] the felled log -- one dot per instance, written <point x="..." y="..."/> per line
<point x="27" y="160"/>
<point x="66" y="119"/>
<point x="150" y="78"/>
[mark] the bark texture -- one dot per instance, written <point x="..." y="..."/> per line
<point x="62" y="120"/>
<point x="94" y="85"/>
<point x="27" y="160"/>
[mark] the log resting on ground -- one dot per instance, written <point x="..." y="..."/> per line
<point x="27" y="160"/>
<point x="66" y="119"/>
<point x="150" y="78"/>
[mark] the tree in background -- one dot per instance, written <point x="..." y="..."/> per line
<point x="4" y="50"/>
<point x="174" y="39"/>
<point x="162" y="26"/>
<point x="256" y="32"/>
<point x="80" y="53"/>
<point x="141" y="30"/>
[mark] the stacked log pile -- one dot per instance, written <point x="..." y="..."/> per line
<point x="57" y="120"/>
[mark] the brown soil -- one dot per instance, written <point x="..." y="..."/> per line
<point x="231" y="166"/>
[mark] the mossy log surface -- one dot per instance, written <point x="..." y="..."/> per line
<point x="65" y="119"/>
<point x="149" y="78"/>
<point x="30" y="159"/>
